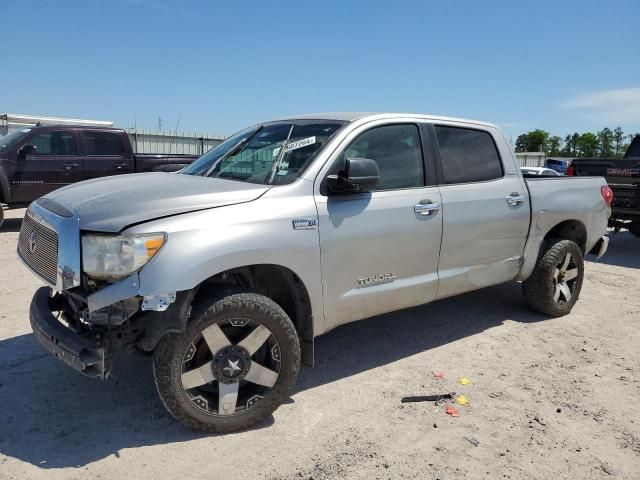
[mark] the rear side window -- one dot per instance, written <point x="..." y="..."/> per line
<point x="468" y="155"/>
<point x="103" y="143"/>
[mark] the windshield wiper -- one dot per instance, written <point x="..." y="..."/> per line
<point x="237" y="148"/>
<point x="276" y="165"/>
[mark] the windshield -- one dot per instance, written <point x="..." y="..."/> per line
<point x="11" y="139"/>
<point x="273" y="153"/>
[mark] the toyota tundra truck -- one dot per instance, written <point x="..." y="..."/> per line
<point x="228" y="270"/>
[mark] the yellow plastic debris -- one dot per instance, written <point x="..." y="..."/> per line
<point x="464" y="381"/>
<point x="462" y="400"/>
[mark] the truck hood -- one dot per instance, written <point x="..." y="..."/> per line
<point x="111" y="204"/>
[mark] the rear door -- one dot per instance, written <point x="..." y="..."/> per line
<point x="485" y="209"/>
<point x="53" y="164"/>
<point x="379" y="250"/>
<point x="105" y="153"/>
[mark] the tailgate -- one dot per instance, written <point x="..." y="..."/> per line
<point x="616" y="171"/>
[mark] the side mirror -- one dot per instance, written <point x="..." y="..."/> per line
<point x="358" y="175"/>
<point x="27" y="149"/>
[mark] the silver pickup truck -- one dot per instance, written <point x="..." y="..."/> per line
<point x="228" y="270"/>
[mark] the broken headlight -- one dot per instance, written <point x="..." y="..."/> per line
<point x="109" y="257"/>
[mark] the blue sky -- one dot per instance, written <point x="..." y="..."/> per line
<point x="558" y="65"/>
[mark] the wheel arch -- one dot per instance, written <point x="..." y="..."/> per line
<point x="277" y="282"/>
<point x="573" y="230"/>
<point x="568" y="229"/>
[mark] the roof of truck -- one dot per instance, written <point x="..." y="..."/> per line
<point x="352" y="116"/>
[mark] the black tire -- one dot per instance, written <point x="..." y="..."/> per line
<point x="226" y="313"/>
<point x="634" y="228"/>
<point x="544" y="291"/>
<point x="1" y="215"/>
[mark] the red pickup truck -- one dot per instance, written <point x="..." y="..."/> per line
<point x="37" y="160"/>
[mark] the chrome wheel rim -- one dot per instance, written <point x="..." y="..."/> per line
<point x="565" y="278"/>
<point x="230" y="367"/>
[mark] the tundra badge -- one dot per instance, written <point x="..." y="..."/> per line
<point x="377" y="279"/>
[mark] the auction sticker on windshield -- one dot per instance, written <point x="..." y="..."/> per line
<point x="300" y="144"/>
<point x="305" y="142"/>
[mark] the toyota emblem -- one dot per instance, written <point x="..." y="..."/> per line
<point x="33" y="242"/>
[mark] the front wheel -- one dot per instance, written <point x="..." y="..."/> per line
<point x="232" y="367"/>
<point x="554" y="286"/>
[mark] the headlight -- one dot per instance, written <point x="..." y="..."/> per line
<point x="108" y="257"/>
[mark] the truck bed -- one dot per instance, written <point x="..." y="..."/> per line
<point x="161" y="162"/>
<point x="552" y="202"/>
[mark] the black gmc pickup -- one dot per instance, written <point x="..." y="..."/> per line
<point x="36" y="160"/>
<point x="623" y="176"/>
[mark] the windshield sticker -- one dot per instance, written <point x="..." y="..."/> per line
<point x="305" y="142"/>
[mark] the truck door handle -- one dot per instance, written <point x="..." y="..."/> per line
<point x="515" y="199"/>
<point x="70" y="165"/>
<point x="120" y="165"/>
<point x="426" y="207"/>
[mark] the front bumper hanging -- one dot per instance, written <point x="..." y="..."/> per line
<point x="79" y="352"/>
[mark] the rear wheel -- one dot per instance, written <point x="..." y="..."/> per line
<point x="232" y="367"/>
<point x="554" y="286"/>
<point x="1" y="215"/>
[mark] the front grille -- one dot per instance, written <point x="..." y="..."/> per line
<point x="38" y="247"/>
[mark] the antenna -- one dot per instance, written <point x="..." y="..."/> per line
<point x="175" y="133"/>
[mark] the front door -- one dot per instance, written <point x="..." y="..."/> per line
<point x="52" y="164"/>
<point x="379" y="250"/>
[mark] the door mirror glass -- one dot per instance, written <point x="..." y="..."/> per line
<point x="26" y="150"/>
<point x="358" y="175"/>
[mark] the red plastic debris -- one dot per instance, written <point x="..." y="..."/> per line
<point x="438" y="373"/>
<point x="451" y="411"/>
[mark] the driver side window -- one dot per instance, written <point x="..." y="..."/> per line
<point x="54" y="143"/>
<point x="397" y="151"/>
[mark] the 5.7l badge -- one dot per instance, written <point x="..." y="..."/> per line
<point x="304" y="223"/>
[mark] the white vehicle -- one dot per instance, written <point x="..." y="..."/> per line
<point x="541" y="171"/>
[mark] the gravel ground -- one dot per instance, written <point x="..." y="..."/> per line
<point x="549" y="398"/>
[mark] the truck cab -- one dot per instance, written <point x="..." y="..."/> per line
<point x="38" y="160"/>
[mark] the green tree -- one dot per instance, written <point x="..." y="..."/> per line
<point x="587" y="145"/>
<point x="553" y="146"/>
<point x="570" y="145"/>
<point x="534" y="141"/>
<point x="606" y="140"/>
<point x="618" y="140"/>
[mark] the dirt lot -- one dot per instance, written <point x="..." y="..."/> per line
<point x="548" y="398"/>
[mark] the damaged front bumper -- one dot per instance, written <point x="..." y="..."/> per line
<point x="80" y="351"/>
